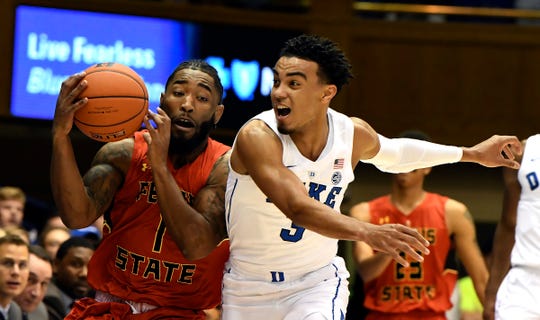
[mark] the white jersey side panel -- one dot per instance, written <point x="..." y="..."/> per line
<point x="526" y="251"/>
<point x="265" y="244"/>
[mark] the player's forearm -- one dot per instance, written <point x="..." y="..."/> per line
<point x="477" y="269"/>
<point x="473" y="261"/>
<point x="370" y="268"/>
<point x="317" y="217"/>
<point x="500" y="263"/>
<point x="404" y="155"/>
<point x="480" y="285"/>
<point x="67" y="186"/>
<point x="191" y="232"/>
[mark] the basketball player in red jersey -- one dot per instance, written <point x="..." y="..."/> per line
<point x="422" y="290"/>
<point x="156" y="260"/>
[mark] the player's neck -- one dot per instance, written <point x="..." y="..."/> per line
<point x="311" y="142"/>
<point x="407" y="199"/>
<point x="180" y="159"/>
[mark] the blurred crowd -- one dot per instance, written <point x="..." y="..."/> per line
<point x="42" y="268"/>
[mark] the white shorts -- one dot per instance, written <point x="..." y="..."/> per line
<point x="518" y="295"/>
<point x="321" y="294"/>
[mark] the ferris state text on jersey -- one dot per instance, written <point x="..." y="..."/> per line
<point x="408" y="275"/>
<point x="150" y="267"/>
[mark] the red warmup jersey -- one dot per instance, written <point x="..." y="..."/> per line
<point x="137" y="260"/>
<point x="424" y="287"/>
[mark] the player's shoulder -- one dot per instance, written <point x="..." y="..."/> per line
<point x="117" y="151"/>
<point x="455" y="207"/>
<point x="366" y="140"/>
<point x="360" y="123"/>
<point x="456" y="203"/>
<point x="255" y="131"/>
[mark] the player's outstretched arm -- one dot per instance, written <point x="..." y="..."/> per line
<point x="404" y="155"/>
<point x="258" y="152"/>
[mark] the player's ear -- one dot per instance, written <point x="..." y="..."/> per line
<point x="329" y="92"/>
<point x="219" y="112"/>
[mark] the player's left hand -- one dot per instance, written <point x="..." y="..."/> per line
<point x="497" y="151"/>
<point x="397" y="241"/>
<point x="158" y="137"/>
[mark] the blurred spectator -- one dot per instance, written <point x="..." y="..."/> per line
<point x="13" y="274"/>
<point x="54" y="221"/>
<point x="12" y="202"/>
<point x="52" y="237"/>
<point x="31" y="299"/>
<point x="69" y="277"/>
<point x="20" y="231"/>
<point x="90" y="232"/>
<point x="13" y="207"/>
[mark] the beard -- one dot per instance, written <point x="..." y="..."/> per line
<point x="283" y="130"/>
<point x="181" y="145"/>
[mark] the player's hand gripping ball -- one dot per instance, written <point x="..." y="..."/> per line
<point x="117" y="102"/>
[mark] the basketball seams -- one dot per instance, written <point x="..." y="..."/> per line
<point x="137" y="80"/>
<point x="117" y="103"/>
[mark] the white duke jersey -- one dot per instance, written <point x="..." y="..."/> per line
<point x="265" y="244"/>
<point x="526" y="251"/>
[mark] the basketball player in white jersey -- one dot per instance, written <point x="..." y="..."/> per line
<point x="516" y="247"/>
<point x="289" y="169"/>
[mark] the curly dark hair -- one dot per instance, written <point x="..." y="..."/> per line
<point x="334" y="67"/>
<point x="200" y="65"/>
<point x="74" y="242"/>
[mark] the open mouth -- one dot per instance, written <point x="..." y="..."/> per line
<point x="184" y="123"/>
<point x="13" y="284"/>
<point x="283" y="111"/>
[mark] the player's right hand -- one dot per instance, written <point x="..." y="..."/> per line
<point x="68" y="102"/>
<point x="399" y="241"/>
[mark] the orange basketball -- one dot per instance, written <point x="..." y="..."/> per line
<point x="117" y="102"/>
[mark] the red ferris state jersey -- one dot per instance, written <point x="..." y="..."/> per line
<point x="424" y="287"/>
<point x="137" y="260"/>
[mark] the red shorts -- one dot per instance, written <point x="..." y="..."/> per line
<point x="90" y="309"/>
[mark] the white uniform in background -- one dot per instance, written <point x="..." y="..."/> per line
<point x="278" y="270"/>
<point x="519" y="292"/>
